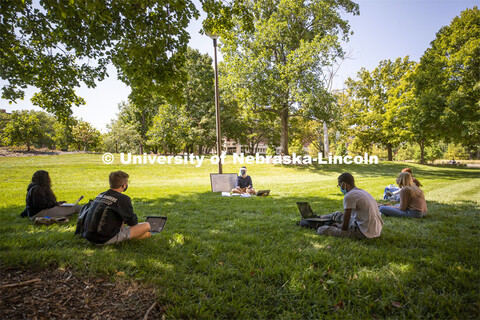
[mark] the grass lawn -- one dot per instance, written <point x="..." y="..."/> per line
<point x="244" y="258"/>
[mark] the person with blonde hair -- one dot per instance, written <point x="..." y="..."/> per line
<point x="412" y="200"/>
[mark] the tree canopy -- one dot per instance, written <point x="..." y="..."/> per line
<point x="275" y="63"/>
<point x="379" y="108"/>
<point x="54" y="46"/>
<point x="447" y="81"/>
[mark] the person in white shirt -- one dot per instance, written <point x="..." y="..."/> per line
<point x="360" y="218"/>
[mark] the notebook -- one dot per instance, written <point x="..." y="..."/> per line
<point x="71" y="204"/>
<point x="156" y="224"/>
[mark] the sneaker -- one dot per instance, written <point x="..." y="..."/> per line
<point x="43" y="221"/>
<point x="61" y="220"/>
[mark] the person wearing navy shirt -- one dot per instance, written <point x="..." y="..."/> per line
<point x="244" y="183"/>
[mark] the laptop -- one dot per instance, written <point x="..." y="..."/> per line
<point x="307" y="213"/>
<point x="263" y="193"/>
<point x="156" y="224"/>
<point x="71" y="204"/>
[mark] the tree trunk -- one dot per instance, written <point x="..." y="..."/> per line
<point x="28" y="146"/>
<point x="326" y="144"/>
<point x="422" y="151"/>
<point x="142" y="133"/>
<point x="252" y="147"/>
<point x="390" y="152"/>
<point x="257" y="144"/>
<point x="284" y="131"/>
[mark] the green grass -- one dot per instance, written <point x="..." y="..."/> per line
<point x="239" y="258"/>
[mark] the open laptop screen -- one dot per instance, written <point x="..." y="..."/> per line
<point x="156" y="223"/>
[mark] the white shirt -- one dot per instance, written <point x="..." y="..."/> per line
<point x="365" y="212"/>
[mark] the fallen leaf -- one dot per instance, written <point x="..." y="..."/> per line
<point x="397" y="304"/>
<point x="338" y="306"/>
<point x="120" y="273"/>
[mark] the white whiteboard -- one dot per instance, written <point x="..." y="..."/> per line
<point x="223" y="182"/>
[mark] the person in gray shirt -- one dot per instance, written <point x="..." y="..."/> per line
<point x="360" y="218"/>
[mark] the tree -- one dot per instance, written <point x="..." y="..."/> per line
<point x="24" y="128"/>
<point x="169" y="128"/>
<point x="139" y="115"/>
<point x="85" y="136"/>
<point x="4" y="119"/>
<point x="64" y="139"/>
<point x="379" y="109"/>
<point x="48" y="124"/>
<point x="50" y="45"/>
<point x="447" y="85"/>
<point x="122" y="137"/>
<point x="274" y="63"/>
<point x="199" y="101"/>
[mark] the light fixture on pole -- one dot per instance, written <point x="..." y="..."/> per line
<point x="217" y="102"/>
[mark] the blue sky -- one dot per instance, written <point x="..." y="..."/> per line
<point x="385" y="29"/>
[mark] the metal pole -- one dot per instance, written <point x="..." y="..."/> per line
<point x="217" y="111"/>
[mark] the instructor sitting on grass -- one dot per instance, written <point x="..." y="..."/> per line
<point x="244" y="183"/>
<point x="360" y="219"/>
<point x="109" y="211"/>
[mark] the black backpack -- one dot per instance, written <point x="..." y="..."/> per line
<point x="81" y="218"/>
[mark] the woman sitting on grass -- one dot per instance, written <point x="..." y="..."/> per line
<point x="412" y="201"/>
<point x="41" y="201"/>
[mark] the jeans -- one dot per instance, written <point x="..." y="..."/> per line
<point x="337" y="217"/>
<point x="396" y="212"/>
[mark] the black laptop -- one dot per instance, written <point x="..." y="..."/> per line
<point x="263" y="193"/>
<point x="307" y="213"/>
<point x="156" y="224"/>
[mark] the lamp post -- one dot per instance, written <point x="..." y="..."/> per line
<point x="217" y="102"/>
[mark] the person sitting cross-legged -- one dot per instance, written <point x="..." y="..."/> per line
<point x="244" y="183"/>
<point x="41" y="201"/>
<point x="105" y="219"/>
<point x="412" y="200"/>
<point x="360" y="218"/>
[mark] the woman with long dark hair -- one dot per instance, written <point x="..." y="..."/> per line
<point x="41" y="201"/>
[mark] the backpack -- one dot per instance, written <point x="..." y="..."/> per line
<point x="81" y="218"/>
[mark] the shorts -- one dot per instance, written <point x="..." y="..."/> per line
<point x="122" y="235"/>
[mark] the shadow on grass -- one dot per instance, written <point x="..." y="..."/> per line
<point x="385" y="169"/>
<point x="232" y="257"/>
